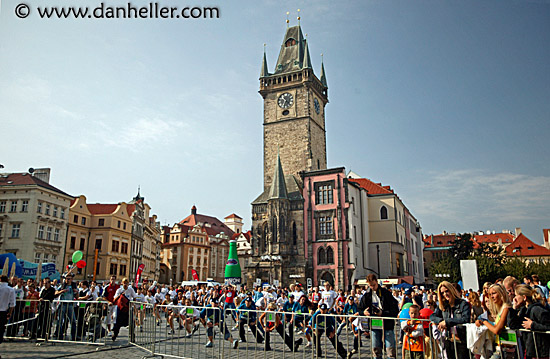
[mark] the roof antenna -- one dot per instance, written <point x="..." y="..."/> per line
<point x="298" y="17"/>
<point x="287" y="21"/>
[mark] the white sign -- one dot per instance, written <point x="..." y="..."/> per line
<point x="309" y="283"/>
<point x="275" y="282"/>
<point x="295" y="276"/>
<point x="468" y="270"/>
<point x="258" y="281"/>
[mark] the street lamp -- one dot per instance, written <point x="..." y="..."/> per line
<point x="270" y="259"/>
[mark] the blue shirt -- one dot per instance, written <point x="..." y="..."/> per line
<point x="245" y="314"/>
<point x="211" y="314"/>
<point x="300" y="309"/>
<point x="320" y="321"/>
<point x="350" y="309"/>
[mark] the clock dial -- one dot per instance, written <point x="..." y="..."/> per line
<point x="285" y="100"/>
<point x="317" y="106"/>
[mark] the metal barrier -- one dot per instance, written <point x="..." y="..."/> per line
<point x="50" y="321"/>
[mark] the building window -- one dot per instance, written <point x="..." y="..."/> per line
<point x="330" y="255"/>
<point x="38" y="208"/>
<point x="49" y="234"/>
<point x="114" y="246"/>
<point x="83" y="221"/>
<point x="82" y="243"/>
<point x="37" y="257"/>
<point x="122" y="269"/>
<point x="56" y="235"/>
<point x="41" y="232"/>
<point x="98" y="242"/>
<point x="324" y="193"/>
<point x="73" y="242"/>
<point x="15" y="229"/>
<point x="118" y="224"/>
<point x="2" y="206"/>
<point x="55" y="211"/>
<point x="383" y="213"/>
<point x="54" y="259"/>
<point x="325" y="225"/>
<point x="294" y="234"/>
<point x="124" y="248"/>
<point x="97" y="267"/>
<point x="1" y="225"/>
<point x="75" y="219"/>
<point x="62" y="213"/>
<point x="46" y="257"/>
<point x="25" y="206"/>
<point x="101" y="222"/>
<point x="321" y="257"/>
<point x="112" y="269"/>
<point x="13" y="206"/>
<point x="124" y="225"/>
<point x="47" y="212"/>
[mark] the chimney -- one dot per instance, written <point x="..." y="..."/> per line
<point x="546" y="235"/>
<point x="42" y="174"/>
<point x="518" y="232"/>
<point x="193" y="210"/>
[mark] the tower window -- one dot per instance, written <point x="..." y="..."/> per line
<point x="285" y="112"/>
<point x="321" y="258"/>
<point x="330" y="255"/>
<point x="383" y="213"/>
<point x="323" y="193"/>
<point x="290" y="42"/>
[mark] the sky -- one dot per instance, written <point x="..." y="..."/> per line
<point x="445" y="101"/>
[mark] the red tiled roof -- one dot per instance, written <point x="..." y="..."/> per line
<point x="439" y="240"/>
<point x="131" y="208"/>
<point x="506" y="238"/>
<point x="371" y="187"/>
<point x="26" y="179"/>
<point x="524" y="247"/>
<point x="216" y="226"/>
<point x="100" y="208"/>
<point x="233" y="215"/>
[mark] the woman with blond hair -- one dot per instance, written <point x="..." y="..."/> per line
<point x="452" y="312"/>
<point x="532" y="314"/>
<point x="475" y="303"/>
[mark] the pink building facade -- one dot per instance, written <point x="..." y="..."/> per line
<point x="326" y="234"/>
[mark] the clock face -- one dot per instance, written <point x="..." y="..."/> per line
<point x="317" y="106"/>
<point x="285" y="100"/>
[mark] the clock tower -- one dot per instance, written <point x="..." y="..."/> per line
<point x="294" y="142"/>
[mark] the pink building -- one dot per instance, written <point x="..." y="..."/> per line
<point x="325" y="227"/>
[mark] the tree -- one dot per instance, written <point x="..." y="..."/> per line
<point x="446" y="265"/>
<point x="462" y="247"/>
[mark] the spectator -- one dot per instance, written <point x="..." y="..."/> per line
<point x="475" y="304"/>
<point x="7" y="304"/>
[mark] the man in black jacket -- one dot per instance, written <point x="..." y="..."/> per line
<point x="379" y="302"/>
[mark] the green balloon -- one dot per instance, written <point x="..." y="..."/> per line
<point x="406" y="306"/>
<point x="77" y="256"/>
<point x="548" y="284"/>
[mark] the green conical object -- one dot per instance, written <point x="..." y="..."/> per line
<point x="233" y="268"/>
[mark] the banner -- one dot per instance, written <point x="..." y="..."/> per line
<point x="7" y="261"/>
<point x="468" y="269"/>
<point x="138" y="274"/>
<point x="30" y="270"/>
<point x="195" y="274"/>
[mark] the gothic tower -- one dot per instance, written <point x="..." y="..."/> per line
<point x="294" y="142"/>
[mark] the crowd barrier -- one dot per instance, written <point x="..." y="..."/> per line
<point x="59" y="321"/>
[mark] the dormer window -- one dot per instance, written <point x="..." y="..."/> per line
<point x="290" y="42"/>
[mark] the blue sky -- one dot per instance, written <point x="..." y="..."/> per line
<point x="446" y="101"/>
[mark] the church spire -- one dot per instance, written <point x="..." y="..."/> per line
<point x="323" y="76"/>
<point x="264" y="72"/>
<point x="278" y="186"/>
<point x="306" y="62"/>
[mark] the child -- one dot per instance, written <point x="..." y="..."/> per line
<point x="413" y="342"/>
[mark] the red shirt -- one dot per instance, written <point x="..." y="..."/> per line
<point x="110" y="291"/>
<point x="229" y="296"/>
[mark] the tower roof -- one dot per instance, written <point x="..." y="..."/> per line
<point x="292" y="51"/>
<point x="264" y="72"/>
<point x="307" y="59"/>
<point x="278" y="186"/>
<point x="323" y="76"/>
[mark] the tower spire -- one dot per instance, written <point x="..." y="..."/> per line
<point x="306" y="62"/>
<point x="278" y="186"/>
<point x="264" y="72"/>
<point x="323" y="76"/>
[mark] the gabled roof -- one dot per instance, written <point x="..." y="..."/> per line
<point x="99" y="208"/>
<point x="294" y="191"/>
<point x="524" y="247"/>
<point x="371" y="187"/>
<point x="26" y="179"/>
<point x="233" y="215"/>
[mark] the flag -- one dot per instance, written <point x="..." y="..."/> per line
<point x="195" y="274"/>
<point x="138" y="274"/>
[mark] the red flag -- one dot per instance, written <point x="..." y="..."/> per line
<point x="138" y="274"/>
<point x="195" y="274"/>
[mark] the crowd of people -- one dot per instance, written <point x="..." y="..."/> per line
<point x="445" y="320"/>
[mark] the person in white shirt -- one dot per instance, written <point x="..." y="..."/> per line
<point x="123" y="296"/>
<point x="298" y="292"/>
<point x="7" y="304"/>
<point x="190" y="315"/>
<point x="328" y="296"/>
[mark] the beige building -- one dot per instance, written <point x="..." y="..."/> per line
<point x="33" y="217"/>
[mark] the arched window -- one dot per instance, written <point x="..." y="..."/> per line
<point x="321" y="258"/>
<point x="383" y="213"/>
<point x="330" y="255"/>
<point x="274" y="230"/>
<point x="327" y="277"/>
<point x="294" y="234"/>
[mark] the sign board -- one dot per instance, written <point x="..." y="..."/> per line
<point x="468" y="270"/>
<point x="309" y="283"/>
<point x="377" y="324"/>
<point x="275" y="282"/>
<point x="508" y="337"/>
<point x="295" y="276"/>
<point x="258" y="281"/>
